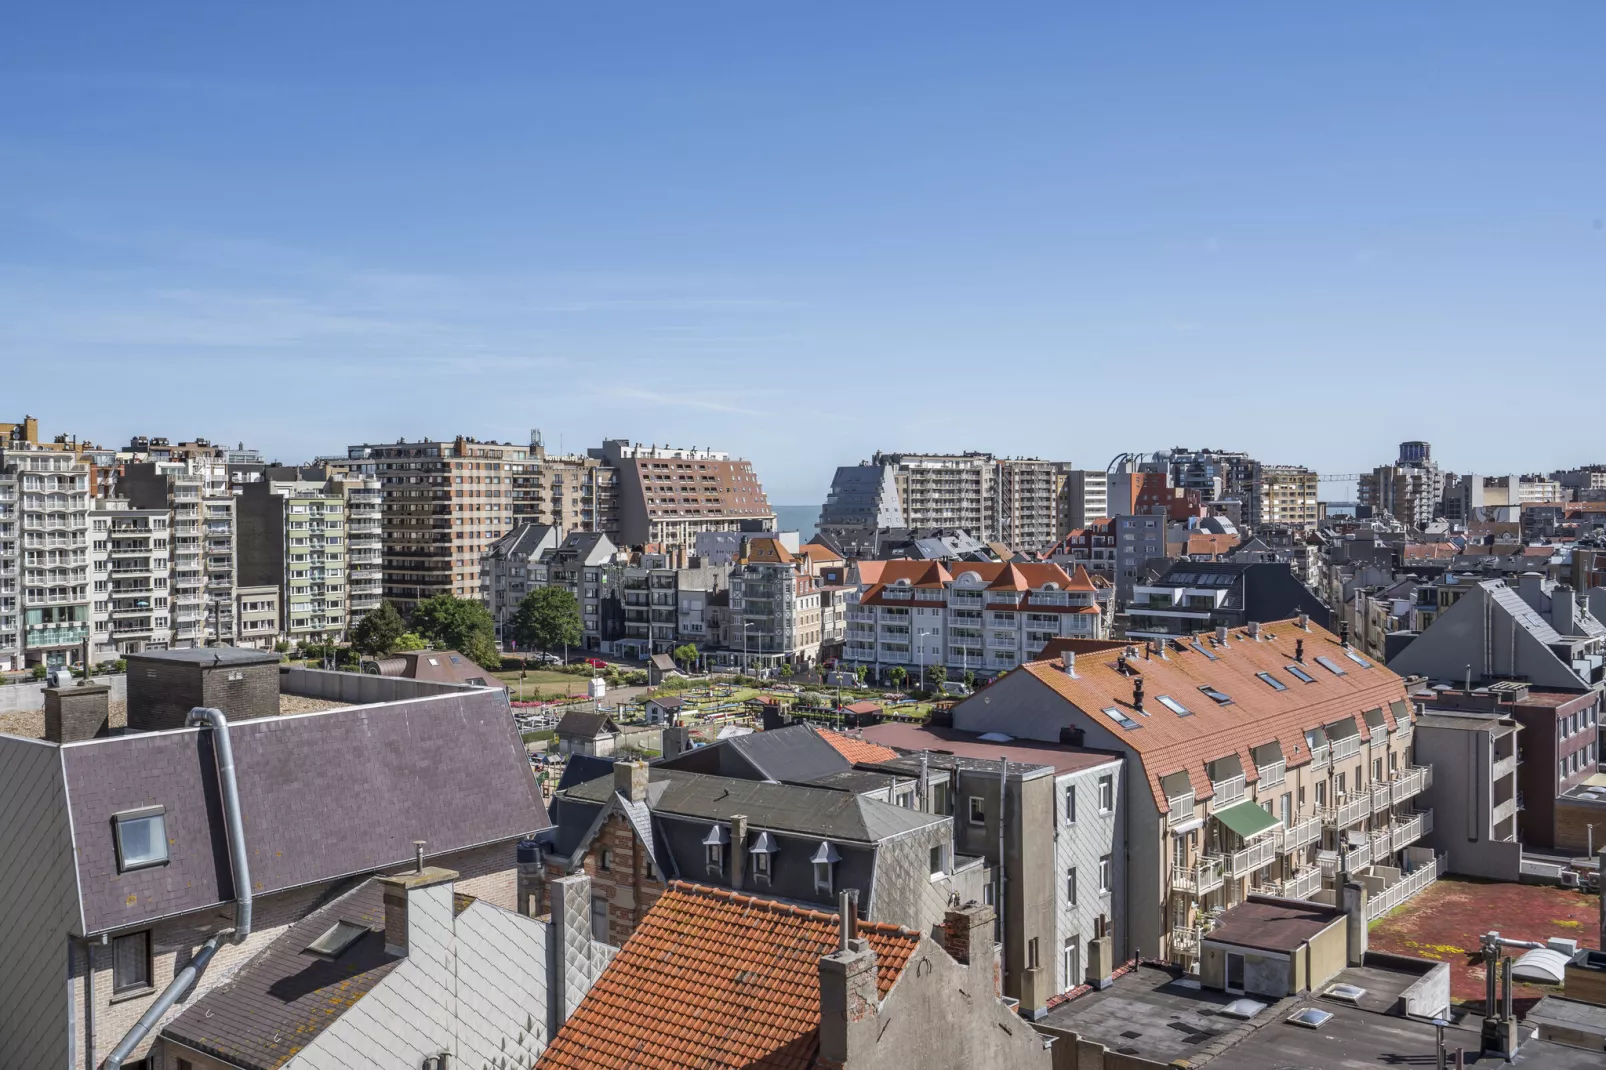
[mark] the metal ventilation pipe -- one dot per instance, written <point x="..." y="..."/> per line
<point x="185" y="979"/>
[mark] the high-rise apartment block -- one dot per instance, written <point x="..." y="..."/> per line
<point x="1410" y="490"/>
<point x="445" y="502"/>
<point x="294" y="540"/>
<point x="1026" y="502"/>
<point x="669" y="495"/>
<point x="863" y="500"/>
<point x="1282" y="495"/>
<point x="1014" y="500"/>
<point x="130" y="562"/>
<point x="44" y="552"/>
<point x="1084" y="497"/>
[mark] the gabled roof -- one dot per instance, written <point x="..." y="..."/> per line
<point x="580" y="724"/>
<point x="712" y="978"/>
<point x="282" y="999"/>
<point x="793" y="753"/>
<point x="857" y="750"/>
<point x="323" y="795"/>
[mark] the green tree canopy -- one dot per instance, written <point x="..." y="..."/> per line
<point x="685" y="654"/>
<point x="897" y="675"/>
<point x="461" y="624"/>
<point x="547" y="617"/>
<point x="408" y="641"/>
<point x="376" y="634"/>
<point x="937" y="674"/>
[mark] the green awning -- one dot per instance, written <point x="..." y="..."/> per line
<point x="1246" y="819"/>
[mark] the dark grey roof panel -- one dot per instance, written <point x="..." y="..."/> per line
<point x="209" y="655"/>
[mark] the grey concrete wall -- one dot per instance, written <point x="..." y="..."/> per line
<point x="25" y="697"/>
<point x="1074" y="1052"/>
<point x="1461" y="798"/>
<point x="905" y="893"/>
<point x="359" y="688"/>
<point x="38" y="905"/>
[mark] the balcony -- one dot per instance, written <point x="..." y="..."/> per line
<point x="1412" y="781"/>
<point x="1381" y="798"/>
<point x="63" y="635"/>
<point x="1257" y="855"/>
<point x="1301" y="834"/>
<point x="1197" y="880"/>
<point x="1413" y="828"/>
<point x="1352" y="809"/>
<point x="1185" y="941"/>
<point x="1356" y="856"/>
<point x="1181" y="808"/>
<point x="1347" y="747"/>
<point x="1302" y="885"/>
<point x="1403" y="889"/>
<point x="1227" y="792"/>
<point x="1320" y="755"/>
<point x="1504" y="811"/>
<point x="1271" y="774"/>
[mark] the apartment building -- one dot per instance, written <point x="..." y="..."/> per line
<point x="1475" y="791"/>
<point x="1283" y="495"/>
<point x="1215" y="475"/>
<point x="945" y="490"/>
<point x="1411" y="490"/>
<point x="977" y="617"/>
<point x="1091" y="547"/>
<point x="669" y="495"/>
<point x="1265" y="759"/>
<point x="172" y="486"/>
<point x="660" y="601"/>
<point x="134" y="856"/>
<point x="1026" y="502"/>
<point x="578" y="493"/>
<point x="444" y="504"/>
<point x="130" y="561"/>
<point x="45" y="597"/>
<point x="1084" y="499"/>
<point x="863" y="501"/>
<point x="505" y="571"/>
<point x="577" y="565"/>
<point x="1197" y="596"/>
<point x="294" y="537"/>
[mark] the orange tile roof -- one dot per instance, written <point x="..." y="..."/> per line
<point x="858" y="750"/>
<point x="1259" y="714"/>
<point x="1204" y="542"/>
<point x="713" y="978"/>
<point x="820" y="554"/>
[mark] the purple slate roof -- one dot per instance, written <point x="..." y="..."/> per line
<point x="322" y="795"/>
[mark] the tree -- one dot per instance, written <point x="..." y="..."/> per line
<point x="461" y="624"/>
<point x="786" y="670"/>
<point x="938" y="675"/>
<point x="376" y="634"/>
<point x="407" y="641"/>
<point x="970" y="678"/>
<point x="861" y="672"/>
<point x="547" y="617"/>
<point x="897" y="675"/>
<point x="685" y="654"/>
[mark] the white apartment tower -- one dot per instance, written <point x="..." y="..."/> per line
<point x="129" y="553"/>
<point x="44" y="556"/>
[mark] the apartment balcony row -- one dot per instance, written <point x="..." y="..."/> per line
<point x="1302" y="885"/>
<point x="57" y="635"/>
<point x="1410" y="782"/>
<point x="1408" y="886"/>
<point x="1350" y="810"/>
<point x="1300" y="835"/>
<point x="1199" y="879"/>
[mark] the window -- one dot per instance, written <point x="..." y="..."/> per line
<point x="978" y="812"/>
<point x="141" y="838"/>
<point x="1220" y="698"/>
<point x="1299" y="674"/>
<point x="1173" y="705"/>
<point x="336" y="939"/>
<point x="1070" y="804"/>
<point x="824" y="859"/>
<point x="1106" y="794"/>
<point x="604" y="859"/>
<point x="599" y="918"/>
<point x="1114" y="713"/>
<point x="1032" y="961"/>
<point x="761" y="865"/>
<point x="1268" y="678"/>
<point x="1106" y="865"/>
<point x="1330" y="665"/>
<point x="714" y="857"/>
<point x="1357" y="659"/>
<point x="1073" y="961"/>
<point x="1070" y="886"/>
<point x="1200" y="648"/>
<point x="131" y="962"/>
<point x="822" y="877"/>
<point x="937" y="860"/>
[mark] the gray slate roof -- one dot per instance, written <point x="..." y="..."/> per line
<point x="832" y="815"/>
<point x="283" y="998"/>
<point x="209" y="655"/>
<point x="323" y="796"/>
<point x="793" y="753"/>
<point x="581" y="725"/>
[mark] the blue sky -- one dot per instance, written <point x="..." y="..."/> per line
<point x="805" y="232"/>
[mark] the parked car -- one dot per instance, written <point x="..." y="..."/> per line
<point x="596" y="663"/>
<point x="550" y="659"/>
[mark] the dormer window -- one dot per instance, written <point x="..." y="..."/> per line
<point x="825" y="858"/>
<point x="714" y="848"/>
<point x="141" y="838"/>
<point x="762" y="851"/>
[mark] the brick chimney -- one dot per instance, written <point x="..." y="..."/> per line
<point x="738" y="850"/>
<point x="967" y="936"/>
<point x="630" y="780"/>
<point x="416" y="902"/>
<point x="849" y="998"/>
<point x="74" y="713"/>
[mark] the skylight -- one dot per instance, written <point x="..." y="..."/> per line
<point x="1114" y="713"/>
<point x="141" y="838"/>
<point x="1330" y="665"/>
<point x="336" y="939"/>
<point x="1276" y="684"/>
<point x="1346" y="993"/>
<point x="1299" y="674"/>
<point x="1200" y="647"/>
<point x="1220" y="698"/>
<point x="1357" y="659"/>
<point x="1310" y="1018"/>
<point x="1174" y="706"/>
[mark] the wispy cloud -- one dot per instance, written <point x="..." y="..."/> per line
<point x="713" y="401"/>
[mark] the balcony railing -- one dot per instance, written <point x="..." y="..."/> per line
<point x="1410" y="830"/>
<point x="1347" y="747"/>
<point x="1302" y="885"/>
<point x="1320" y="755"/>
<point x="1257" y="855"/>
<point x="1301" y="834"/>
<point x="1504" y="810"/>
<point x="1185" y="941"/>
<point x="1180" y="808"/>
<point x="1227" y="792"/>
<point x="1412" y="781"/>
<point x="1197" y="880"/>
<point x="1352" y="809"/>
<point x="1403" y="889"/>
<point x="1381" y="797"/>
<point x="1355" y="857"/>
<point x="1271" y="774"/>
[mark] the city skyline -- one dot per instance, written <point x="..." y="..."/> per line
<point x="307" y="227"/>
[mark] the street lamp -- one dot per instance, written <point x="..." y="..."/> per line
<point x="919" y="636"/>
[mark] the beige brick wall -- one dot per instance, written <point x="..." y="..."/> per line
<point x="486" y="872"/>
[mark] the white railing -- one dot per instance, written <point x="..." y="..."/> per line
<point x="1346" y="813"/>
<point x="1403" y="889"/>
<point x="1180" y="808"/>
<point x="1402" y="732"/>
<point x="1411" y="829"/>
<point x="1381" y="839"/>
<point x="1347" y="747"/>
<point x="1227" y="792"/>
<point x="1355" y="857"/>
<point x="1185" y="941"/>
<point x="1271" y="774"/>
<point x="1380" y="798"/>
<point x="1256" y="856"/>
<point x="1301" y="885"/>
<point x="1198" y="879"/>
<point x="1412" y="781"/>
<point x="1301" y="834"/>
<point x="1320" y="754"/>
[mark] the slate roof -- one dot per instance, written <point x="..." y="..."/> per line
<point x="832" y="815"/>
<point x="579" y="724"/>
<point x="945" y="744"/>
<point x="280" y="1001"/>
<point x="583" y="767"/>
<point x="795" y="752"/>
<point x="715" y="979"/>
<point x="1272" y="926"/>
<point x="323" y="795"/>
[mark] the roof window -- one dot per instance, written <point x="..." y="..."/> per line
<point x="1330" y="665"/>
<point x="1272" y="681"/>
<point x="141" y="838"/>
<point x="1114" y="713"/>
<point x="1220" y="698"/>
<point x="1174" y="706"/>
<point x="1357" y="659"/>
<point x="1299" y="674"/>
<point x="336" y="939"/>
<point x="1200" y="647"/>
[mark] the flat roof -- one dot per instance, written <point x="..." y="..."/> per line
<point x="1148" y="1013"/>
<point x="1568" y="1014"/>
<point x="1273" y="925"/>
<point x="208" y="655"/>
<point x="913" y="738"/>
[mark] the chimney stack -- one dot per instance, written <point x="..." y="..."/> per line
<point x="630" y="780"/>
<point x="1343" y="634"/>
<point x="418" y="896"/>
<point x="74" y="713"/>
<point x="1068" y="662"/>
<point x="1304" y="622"/>
<point x="1299" y="651"/>
<point x="1254" y="630"/>
<point x="1221" y="635"/>
<point x="1137" y="693"/>
<point x="850" y="1000"/>
<point x="738" y="850"/>
<point x="1353" y="894"/>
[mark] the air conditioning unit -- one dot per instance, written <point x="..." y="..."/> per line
<point x="1569" y="878"/>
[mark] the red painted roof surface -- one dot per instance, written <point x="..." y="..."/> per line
<point x="858" y="750"/>
<point x="713" y="978"/>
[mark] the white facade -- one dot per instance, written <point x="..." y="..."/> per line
<point x="44" y="559"/>
<point x="129" y="551"/>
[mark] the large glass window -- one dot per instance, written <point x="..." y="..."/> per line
<point x="141" y="839"/>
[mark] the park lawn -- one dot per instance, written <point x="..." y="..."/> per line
<point x="545" y="682"/>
